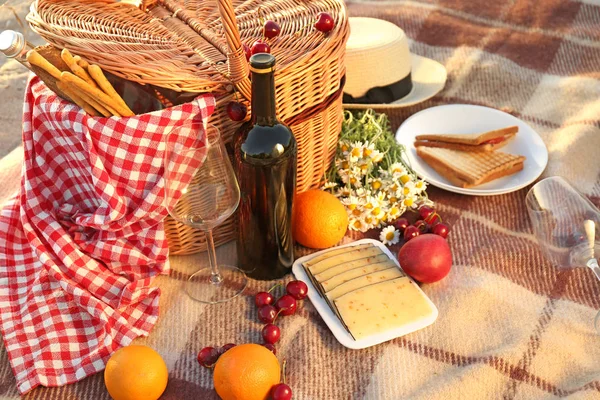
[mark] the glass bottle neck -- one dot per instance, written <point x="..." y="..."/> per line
<point x="263" y="98"/>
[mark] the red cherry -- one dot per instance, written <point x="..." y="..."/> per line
<point x="422" y="226"/>
<point x="270" y="347"/>
<point x="226" y="347"/>
<point x="433" y="218"/>
<point x="236" y="111"/>
<point x="411" y="232"/>
<point x="260" y="47"/>
<point x="297" y="289"/>
<point x="441" y="230"/>
<point x="267" y="314"/>
<point x="208" y="356"/>
<point x="247" y="51"/>
<point x="324" y="22"/>
<point x="286" y="305"/>
<point x="281" y="391"/>
<point x="271" y="29"/>
<point x="401" y="224"/>
<point x="271" y="333"/>
<point x="425" y="211"/>
<point x="263" y="298"/>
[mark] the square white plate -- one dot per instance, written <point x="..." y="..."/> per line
<point x="470" y="119"/>
<point x="332" y="321"/>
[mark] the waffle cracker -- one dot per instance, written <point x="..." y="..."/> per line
<point x="473" y="140"/>
<point x="467" y="169"/>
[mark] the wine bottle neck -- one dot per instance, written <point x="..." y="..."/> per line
<point x="263" y="98"/>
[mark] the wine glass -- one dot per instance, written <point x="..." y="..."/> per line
<point x="201" y="191"/>
<point x="566" y="225"/>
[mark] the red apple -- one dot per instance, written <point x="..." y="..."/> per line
<point x="426" y="258"/>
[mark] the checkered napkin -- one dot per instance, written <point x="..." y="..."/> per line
<point x="81" y="242"/>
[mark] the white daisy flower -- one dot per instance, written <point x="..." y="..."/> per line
<point x="329" y="185"/>
<point x="375" y="183"/>
<point x="420" y="186"/>
<point x="368" y="149"/>
<point x="397" y="169"/>
<point x="394" y="212"/>
<point x="356" y="151"/>
<point x="376" y="156"/>
<point x="362" y="193"/>
<point x="409" y="188"/>
<point x="410" y="202"/>
<point x="389" y="235"/>
<point x="343" y="192"/>
<point x="345" y="146"/>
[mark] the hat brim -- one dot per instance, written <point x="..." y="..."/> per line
<point x="428" y="77"/>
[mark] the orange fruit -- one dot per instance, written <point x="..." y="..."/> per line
<point x="246" y="372"/>
<point x="136" y="373"/>
<point x="319" y="220"/>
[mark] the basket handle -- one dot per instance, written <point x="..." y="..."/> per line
<point x="236" y="58"/>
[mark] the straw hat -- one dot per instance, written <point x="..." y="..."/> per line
<point x="381" y="72"/>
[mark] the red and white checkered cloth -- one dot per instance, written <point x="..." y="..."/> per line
<point x="81" y="242"/>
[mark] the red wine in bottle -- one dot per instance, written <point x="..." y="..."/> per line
<point x="265" y="163"/>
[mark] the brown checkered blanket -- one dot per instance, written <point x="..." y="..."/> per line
<point x="510" y="325"/>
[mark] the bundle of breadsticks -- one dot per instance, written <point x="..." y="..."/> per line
<point x="83" y="83"/>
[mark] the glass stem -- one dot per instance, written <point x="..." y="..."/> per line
<point x="593" y="265"/>
<point x="215" y="277"/>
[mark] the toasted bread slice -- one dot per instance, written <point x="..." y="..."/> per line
<point x="465" y="147"/>
<point x="468" y="169"/>
<point x="488" y="140"/>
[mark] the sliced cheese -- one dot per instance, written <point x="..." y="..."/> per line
<point x="344" y="258"/>
<point x="383" y="306"/>
<point x="334" y="252"/>
<point x="341" y="268"/>
<point x="350" y="274"/>
<point x="365" y="280"/>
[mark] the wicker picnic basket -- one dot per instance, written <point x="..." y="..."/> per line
<point x="196" y="46"/>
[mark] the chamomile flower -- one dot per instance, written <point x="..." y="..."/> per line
<point x="375" y="183"/>
<point x="368" y="149"/>
<point x="410" y="202"/>
<point x="408" y="189"/>
<point x="420" y="186"/>
<point x="376" y="156"/>
<point x="356" y="151"/>
<point x="394" y="212"/>
<point x="343" y="191"/>
<point x="329" y="185"/>
<point x="397" y="169"/>
<point x="357" y="224"/>
<point x="389" y="235"/>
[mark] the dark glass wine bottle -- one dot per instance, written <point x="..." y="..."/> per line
<point x="265" y="164"/>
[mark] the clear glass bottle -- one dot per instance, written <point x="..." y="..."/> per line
<point x="14" y="45"/>
<point x="265" y="162"/>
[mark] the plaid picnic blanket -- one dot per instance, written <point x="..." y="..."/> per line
<point x="510" y="326"/>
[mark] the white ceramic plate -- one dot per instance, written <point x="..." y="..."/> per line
<point x="463" y="118"/>
<point x="332" y="321"/>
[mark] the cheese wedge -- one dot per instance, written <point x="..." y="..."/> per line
<point x="383" y="306"/>
<point x="344" y="258"/>
<point x="335" y="252"/>
<point x="350" y="274"/>
<point x="361" y="262"/>
<point x="365" y="280"/>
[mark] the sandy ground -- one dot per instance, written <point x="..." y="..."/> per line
<point x="13" y="77"/>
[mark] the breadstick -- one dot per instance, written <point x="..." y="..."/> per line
<point x="35" y="58"/>
<point x="96" y="73"/>
<point x="67" y="57"/>
<point x="95" y="93"/>
<point x="82" y="63"/>
<point x="96" y="104"/>
<point x="76" y="99"/>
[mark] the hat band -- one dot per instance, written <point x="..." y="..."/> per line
<point x="383" y="94"/>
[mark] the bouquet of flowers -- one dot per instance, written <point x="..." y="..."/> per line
<point x="370" y="174"/>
